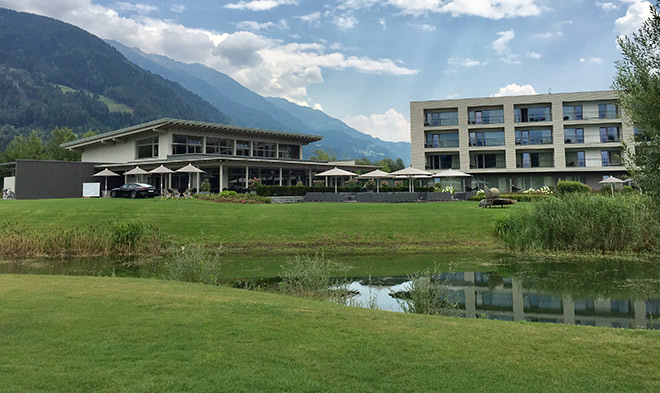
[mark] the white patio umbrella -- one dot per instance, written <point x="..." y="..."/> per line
<point x="411" y="173"/>
<point x="451" y="173"/>
<point x="190" y="169"/>
<point x="106" y="173"/>
<point x="376" y="175"/>
<point x="336" y="173"/>
<point x="611" y="180"/>
<point x="161" y="170"/>
<point x="137" y="171"/>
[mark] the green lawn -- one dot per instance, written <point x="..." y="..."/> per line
<point x="87" y="334"/>
<point x="331" y="227"/>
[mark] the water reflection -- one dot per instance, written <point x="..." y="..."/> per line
<point x="518" y="298"/>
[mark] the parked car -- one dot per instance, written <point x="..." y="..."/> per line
<point x="134" y="190"/>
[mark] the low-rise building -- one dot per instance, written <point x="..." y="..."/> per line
<point x="516" y="143"/>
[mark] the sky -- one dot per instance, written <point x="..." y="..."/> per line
<point x="363" y="61"/>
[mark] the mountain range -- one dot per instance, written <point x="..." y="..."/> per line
<point x="55" y="74"/>
<point x="249" y="109"/>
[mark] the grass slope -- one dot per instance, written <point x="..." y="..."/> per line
<point x="82" y="334"/>
<point x="334" y="227"/>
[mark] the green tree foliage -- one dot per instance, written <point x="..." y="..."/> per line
<point x="57" y="137"/>
<point x="34" y="147"/>
<point x="638" y="85"/>
<point x="322" y="155"/>
<point x="387" y="164"/>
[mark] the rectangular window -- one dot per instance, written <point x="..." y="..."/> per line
<point x="243" y="148"/>
<point x="532" y="114"/>
<point x="487" y="138"/>
<point x="437" y="118"/>
<point x="442" y="161"/>
<point x="487" y="160"/>
<point x="610" y="157"/>
<point x="444" y="139"/>
<point x="534" y="137"/>
<point x="263" y="149"/>
<point x="219" y="146"/>
<point x="486" y="116"/>
<point x="573" y="135"/>
<point x="572" y="112"/>
<point x="147" y="148"/>
<point x="609" y="134"/>
<point x="186" y="144"/>
<point x="535" y="160"/>
<point x="575" y="159"/>
<point x="607" y="111"/>
<point x="289" y="151"/>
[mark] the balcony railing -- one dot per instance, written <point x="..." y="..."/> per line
<point x="590" y="115"/>
<point x="487" y="120"/>
<point x="441" y="122"/>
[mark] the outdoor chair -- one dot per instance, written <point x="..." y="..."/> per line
<point x="175" y="194"/>
<point x="165" y="194"/>
<point x="187" y="194"/>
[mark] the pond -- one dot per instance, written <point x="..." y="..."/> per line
<point x="598" y="292"/>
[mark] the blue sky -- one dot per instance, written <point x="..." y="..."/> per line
<point x="363" y="61"/>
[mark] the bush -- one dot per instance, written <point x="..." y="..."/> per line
<point x="195" y="264"/>
<point x="428" y="294"/>
<point x="126" y="234"/>
<point x="517" y="197"/>
<point x="568" y="187"/>
<point x="303" y="190"/>
<point x="233" y="197"/>
<point x="313" y="277"/>
<point x="582" y="222"/>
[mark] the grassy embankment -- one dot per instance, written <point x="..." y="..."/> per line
<point x="257" y="229"/>
<point x="82" y="334"/>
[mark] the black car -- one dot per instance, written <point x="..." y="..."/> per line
<point x="134" y="190"/>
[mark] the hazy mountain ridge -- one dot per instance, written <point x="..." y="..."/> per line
<point x="249" y="109"/>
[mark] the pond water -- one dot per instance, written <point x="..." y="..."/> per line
<point x="613" y="293"/>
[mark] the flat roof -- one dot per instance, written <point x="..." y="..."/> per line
<point x="188" y="125"/>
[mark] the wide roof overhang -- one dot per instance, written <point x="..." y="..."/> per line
<point x="187" y="125"/>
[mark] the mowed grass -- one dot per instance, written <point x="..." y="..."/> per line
<point x="349" y="227"/>
<point x="90" y="334"/>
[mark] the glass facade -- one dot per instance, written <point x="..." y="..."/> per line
<point x="573" y="135"/>
<point x="610" y="157"/>
<point x="147" y="148"/>
<point x="543" y="159"/>
<point x="485" y="116"/>
<point x="442" y="161"/>
<point x="487" y="138"/>
<point x="534" y="137"/>
<point x="575" y="159"/>
<point x="484" y="160"/>
<point x="608" y="111"/>
<point x="444" y="139"/>
<point x="243" y="148"/>
<point x="219" y="146"/>
<point x="289" y="151"/>
<point x="186" y="144"/>
<point x="572" y="112"/>
<point x="437" y="118"/>
<point x="532" y="114"/>
<point x="609" y="134"/>
<point x="264" y="149"/>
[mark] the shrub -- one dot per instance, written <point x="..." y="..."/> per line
<point x="206" y="186"/>
<point x="126" y="234"/>
<point x="582" y="222"/>
<point x="233" y="197"/>
<point x="567" y="187"/>
<point x="195" y="264"/>
<point x="313" y="277"/>
<point x="428" y="293"/>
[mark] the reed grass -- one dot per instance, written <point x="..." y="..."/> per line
<point x="111" y="238"/>
<point x="583" y="223"/>
<point x="314" y="277"/>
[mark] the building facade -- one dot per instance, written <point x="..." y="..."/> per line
<point x="520" y="142"/>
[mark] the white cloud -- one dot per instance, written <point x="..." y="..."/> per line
<point x="389" y="126"/>
<point x="177" y="8"/>
<point x="638" y="12"/>
<point x="260" y="5"/>
<point x="595" y="60"/>
<point x="260" y="63"/>
<point x="423" y="27"/>
<point x="136" y="7"/>
<point x="463" y="62"/>
<point x="312" y="19"/>
<point x="607" y="5"/>
<point x="490" y="9"/>
<point x="534" y="55"/>
<point x="501" y="46"/>
<point x="515" y="90"/>
<point x="383" y="23"/>
<point x="255" y="26"/>
<point x="345" y="22"/>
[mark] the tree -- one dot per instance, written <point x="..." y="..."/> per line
<point x="638" y="84"/>
<point x="53" y="149"/>
<point x="21" y="147"/>
<point x="322" y="155"/>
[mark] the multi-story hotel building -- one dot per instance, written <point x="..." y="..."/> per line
<point x="521" y="142"/>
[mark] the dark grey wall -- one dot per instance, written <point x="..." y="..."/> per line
<point x="53" y="179"/>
